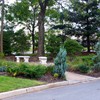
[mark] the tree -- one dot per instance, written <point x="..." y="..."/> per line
<point x="45" y="6"/>
<point x="24" y="13"/>
<point x="60" y="63"/>
<point x="53" y="43"/>
<point x="84" y="15"/>
<point x="2" y="26"/>
<point x="96" y="59"/>
<point x="26" y="17"/>
<point x="20" y="42"/>
<point x="41" y="18"/>
<point x="7" y="41"/>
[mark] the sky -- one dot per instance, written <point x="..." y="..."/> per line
<point x="9" y="1"/>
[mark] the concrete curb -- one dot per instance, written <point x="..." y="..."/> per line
<point x="41" y="87"/>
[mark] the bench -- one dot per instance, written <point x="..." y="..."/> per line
<point x="26" y="58"/>
<point x="43" y="60"/>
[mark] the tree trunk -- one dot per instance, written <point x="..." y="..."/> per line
<point x="43" y="5"/>
<point x="87" y="29"/>
<point x="41" y="34"/>
<point x="88" y="43"/>
<point x="2" y="25"/>
<point x="33" y="41"/>
<point x="33" y="29"/>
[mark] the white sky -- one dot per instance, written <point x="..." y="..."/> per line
<point x="10" y="1"/>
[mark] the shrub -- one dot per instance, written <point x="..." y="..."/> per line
<point x="83" y="68"/>
<point x="38" y="71"/>
<point x="87" y="60"/>
<point x="13" y="71"/>
<point x="56" y="75"/>
<point x="72" y="46"/>
<point x="27" y="70"/>
<point x="50" y="69"/>
<point x="7" y="63"/>
<point x="96" y="59"/>
<point x="1" y="55"/>
<point x="60" y="63"/>
<point x="80" y="60"/>
<point x="3" y="69"/>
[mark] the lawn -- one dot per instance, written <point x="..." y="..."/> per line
<point x="12" y="83"/>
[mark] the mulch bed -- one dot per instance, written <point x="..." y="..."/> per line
<point x="94" y="74"/>
<point x="49" y="78"/>
<point x="3" y="73"/>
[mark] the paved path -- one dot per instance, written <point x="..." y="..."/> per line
<point x="85" y="91"/>
<point x="77" y="77"/>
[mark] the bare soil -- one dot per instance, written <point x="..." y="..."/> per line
<point x="92" y="74"/>
<point x="96" y="74"/>
<point x="3" y="73"/>
<point x="49" y="78"/>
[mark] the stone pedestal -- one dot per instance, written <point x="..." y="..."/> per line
<point x="26" y="58"/>
<point x="43" y="60"/>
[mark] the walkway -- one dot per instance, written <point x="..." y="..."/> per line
<point x="70" y="76"/>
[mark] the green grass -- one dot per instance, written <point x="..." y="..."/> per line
<point x="12" y="83"/>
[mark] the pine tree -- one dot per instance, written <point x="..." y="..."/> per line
<point x="97" y="57"/>
<point x="60" y="63"/>
<point x="84" y="16"/>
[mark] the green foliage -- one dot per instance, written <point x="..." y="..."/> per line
<point x="96" y="59"/>
<point x="13" y="71"/>
<point x="52" y="44"/>
<point x="20" y="42"/>
<point x="87" y="60"/>
<point x="60" y="63"/>
<point x="19" y="11"/>
<point x="13" y="40"/>
<point x="23" y="13"/>
<point x="1" y="55"/>
<point x="56" y="75"/>
<point x="7" y="41"/>
<point x="50" y="69"/>
<point x="80" y="60"/>
<point x="7" y="63"/>
<point x="27" y="70"/>
<point x="2" y="69"/>
<point x="83" y="68"/>
<point x="24" y="69"/>
<point x="39" y="71"/>
<point x="53" y="13"/>
<point x="84" y="16"/>
<point x="72" y="46"/>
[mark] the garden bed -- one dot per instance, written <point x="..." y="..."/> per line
<point x="49" y="78"/>
<point x="3" y="73"/>
<point x="92" y="74"/>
